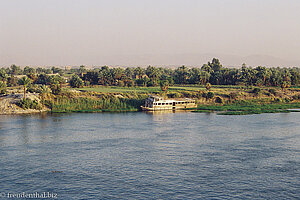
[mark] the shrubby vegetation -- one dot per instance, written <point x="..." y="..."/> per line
<point x="212" y="73"/>
<point x="64" y="103"/>
<point x="246" y="108"/>
<point x="29" y="104"/>
<point x="76" y="82"/>
<point x="212" y="84"/>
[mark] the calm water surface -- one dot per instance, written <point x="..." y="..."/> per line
<point x="152" y="156"/>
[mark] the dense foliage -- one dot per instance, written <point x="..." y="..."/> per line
<point x="212" y="73"/>
<point x="86" y="104"/>
<point x="29" y="104"/>
<point x="234" y="85"/>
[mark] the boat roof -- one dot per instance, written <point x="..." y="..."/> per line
<point x="161" y="99"/>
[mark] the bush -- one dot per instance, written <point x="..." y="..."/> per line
<point x="277" y="100"/>
<point x="55" y="88"/>
<point x="273" y="91"/>
<point x="76" y="82"/>
<point x="296" y="97"/>
<point x="219" y="100"/>
<point x="2" y="87"/>
<point x="106" y="103"/>
<point x="187" y="94"/>
<point x="130" y="83"/>
<point x="256" y="91"/>
<point x="210" y="95"/>
<point x="33" y="88"/>
<point x="287" y="100"/>
<point x="121" y="83"/>
<point x="174" y="95"/>
<point x="29" y="104"/>
<point x="164" y="85"/>
<point x="87" y="83"/>
<point x="233" y="95"/>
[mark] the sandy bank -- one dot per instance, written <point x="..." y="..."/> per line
<point x="8" y="104"/>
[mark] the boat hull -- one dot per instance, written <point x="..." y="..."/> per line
<point x="167" y="108"/>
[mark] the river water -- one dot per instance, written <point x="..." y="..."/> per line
<point x="151" y="156"/>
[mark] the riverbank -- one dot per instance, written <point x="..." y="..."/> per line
<point x="238" y="109"/>
<point x="225" y="101"/>
<point x="9" y="104"/>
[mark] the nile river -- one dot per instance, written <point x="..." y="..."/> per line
<point x="151" y="156"/>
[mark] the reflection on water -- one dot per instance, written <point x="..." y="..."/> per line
<point x="157" y="155"/>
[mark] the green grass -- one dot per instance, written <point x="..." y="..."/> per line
<point x="105" y="110"/>
<point x="237" y="109"/>
<point x="251" y="112"/>
<point x="203" y="111"/>
<point x="85" y="104"/>
<point x="116" y="89"/>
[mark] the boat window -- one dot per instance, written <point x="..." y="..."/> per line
<point x="159" y="103"/>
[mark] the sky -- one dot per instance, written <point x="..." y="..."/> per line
<point x="133" y="32"/>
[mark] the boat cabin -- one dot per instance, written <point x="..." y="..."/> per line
<point x="158" y="103"/>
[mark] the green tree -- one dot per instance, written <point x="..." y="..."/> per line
<point x="82" y="70"/>
<point x="25" y="81"/>
<point x="139" y="72"/>
<point x="207" y="68"/>
<point x="129" y="72"/>
<point x="210" y="95"/>
<point x="153" y="74"/>
<point x="44" y="91"/>
<point x="15" y="70"/>
<point x="215" y="64"/>
<point x="2" y="87"/>
<point x="181" y="75"/>
<point x="164" y="85"/>
<point x="3" y="75"/>
<point x="285" y="84"/>
<point x="204" y="77"/>
<point x="76" y="82"/>
<point x="29" y="70"/>
<point x="55" y="88"/>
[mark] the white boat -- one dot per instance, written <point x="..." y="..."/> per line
<point x="153" y="103"/>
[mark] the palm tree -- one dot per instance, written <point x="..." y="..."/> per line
<point x="164" y="85"/>
<point x="82" y="70"/>
<point x="139" y="72"/>
<point x="25" y="81"/>
<point x="44" y="91"/>
<point x="2" y="87"/>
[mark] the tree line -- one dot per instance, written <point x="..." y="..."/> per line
<point x="213" y="73"/>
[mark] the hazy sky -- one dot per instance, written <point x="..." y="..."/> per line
<point x="96" y="32"/>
